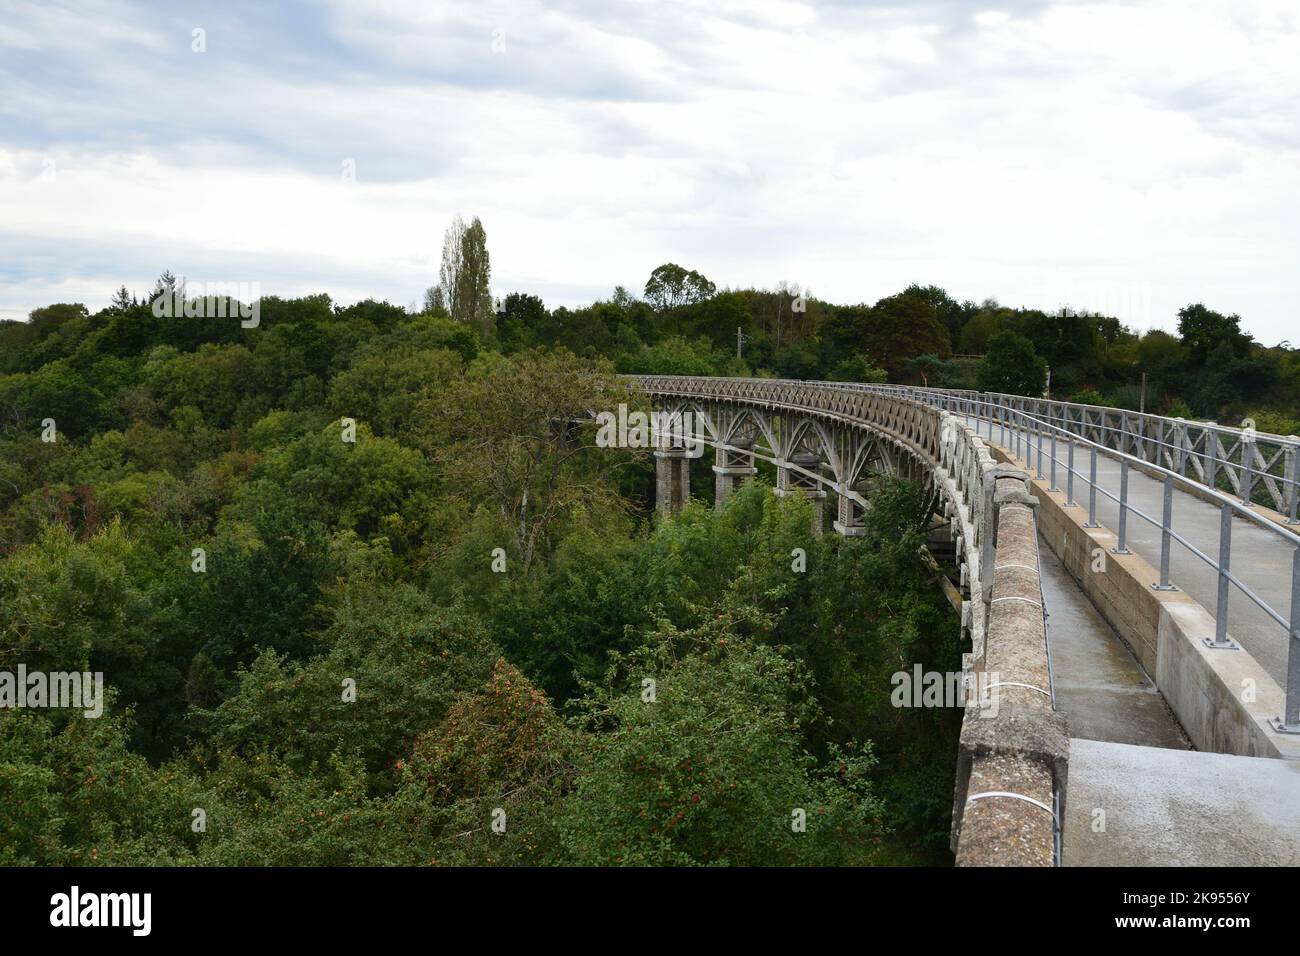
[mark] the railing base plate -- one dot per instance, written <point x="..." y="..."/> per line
<point x="1228" y="645"/>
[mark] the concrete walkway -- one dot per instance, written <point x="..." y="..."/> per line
<point x="1099" y="685"/>
<point x="1260" y="557"/>
<point x="1144" y="806"/>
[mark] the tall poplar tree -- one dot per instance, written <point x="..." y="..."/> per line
<point x="465" y="275"/>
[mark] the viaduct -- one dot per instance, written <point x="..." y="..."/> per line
<point x="1128" y="584"/>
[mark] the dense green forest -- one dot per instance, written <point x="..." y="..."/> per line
<point x="323" y="651"/>
<point x="358" y="599"/>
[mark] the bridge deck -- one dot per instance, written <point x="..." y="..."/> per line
<point x="1260" y="557"/>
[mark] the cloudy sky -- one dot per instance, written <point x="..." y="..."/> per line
<point x="1123" y="157"/>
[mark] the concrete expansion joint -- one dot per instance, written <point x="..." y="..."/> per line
<point x="998" y="471"/>
<point x="1026" y="730"/>
<point x="1014" y="496"/>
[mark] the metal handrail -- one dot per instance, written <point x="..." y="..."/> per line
<point x="1027" y="428"/>
<point x="1218" y="442"/>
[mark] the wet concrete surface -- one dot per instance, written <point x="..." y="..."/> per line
<point x="1146" y="806"/>
<point x="1099" y="685"/>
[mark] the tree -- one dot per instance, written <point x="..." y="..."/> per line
<point x="950" y="313"/>
<point x="522" y="318"/>
<point x="857" y="368"/>
<point x="383" y="388"/>
<point x="502" y="747"/>
<point x="1011" y="365"/>
<point x="465" y="276"/>
<point x="433" y="301"/>
<point x="122" y="300"/>
<point x="504" y="434"/>
<point x="670" y="286"/>
<point x="409" y="659"/>
<point x="902" y="327"/>
<point x="676" y="356"/>
<point x="1203" y="331"/>
<point x="713" y="771"/>
<point x="167" y="283"/>
<point x="935" y="372"/>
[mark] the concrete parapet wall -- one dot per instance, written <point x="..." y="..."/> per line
<point x="1013" y="756"/>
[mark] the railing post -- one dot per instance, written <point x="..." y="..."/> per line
<point x="1247" y="469"/>
<point x="1290" y="721"/>
<point x="1211" y="457"/>
<point x="1293" y="475"/>
<point x="1069" y="470"/>
<point x="1092" y="490"/>
<point x="1022" y="435"/>
<point x="1038" y="435"/>
<point x="1052" y="456"/>
<point x="1121" y="547"/>
<point x="1166" y="526"/>
<point x="1221" y="639"/>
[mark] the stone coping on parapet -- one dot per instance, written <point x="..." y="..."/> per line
<point x="1013" y="759"/>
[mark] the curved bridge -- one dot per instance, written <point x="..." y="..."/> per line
<point x="1012" y="765"/>
<point x="1003" y="470"/>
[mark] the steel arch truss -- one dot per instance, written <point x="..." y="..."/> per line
<point x="822" y="437"/>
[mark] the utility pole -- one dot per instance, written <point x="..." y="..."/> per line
<point x="740" y="340"/>
<point x="1142" y="396"/>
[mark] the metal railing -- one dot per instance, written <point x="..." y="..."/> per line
<point x="1258" y="467"/>
<point x="1038" y="441"/>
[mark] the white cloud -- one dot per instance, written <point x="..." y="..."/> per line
<point x="1124" y="157"/>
